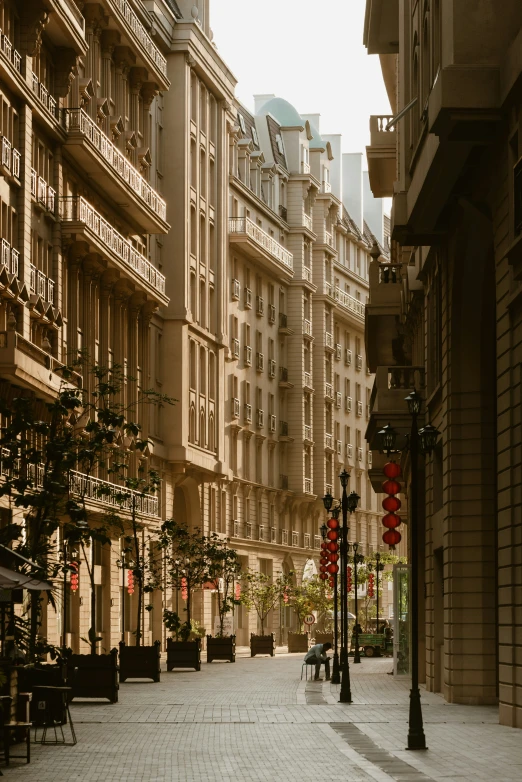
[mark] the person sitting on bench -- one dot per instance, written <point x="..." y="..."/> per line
<point x="317" y="656"/>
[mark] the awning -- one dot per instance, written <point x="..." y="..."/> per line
<point x="10" y="579"/>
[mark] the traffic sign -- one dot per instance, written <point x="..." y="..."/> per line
<point x="309" y="619"/>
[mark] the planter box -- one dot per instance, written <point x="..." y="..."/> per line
<point x="324" y="638"/>
<point x="93" y="675"/>
<point x="221" y="648"/>
<point x="183" y="654"/>
<point x="262" y="644"/>
<point x="140" y="662"/>
<point x="297" y="642"/>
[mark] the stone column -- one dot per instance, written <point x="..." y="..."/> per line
<point x="107" y="50"/>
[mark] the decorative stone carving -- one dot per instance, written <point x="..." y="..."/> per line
<point x="34" y="20"/>
<point x="66" y="68"/>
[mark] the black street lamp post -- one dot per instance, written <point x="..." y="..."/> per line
<point x="357" y="560"/>
<point x="69" y="555"/>
<point x="423" y="440"/>
<point x="347" y="504"/>
<point x="379" y="567"/>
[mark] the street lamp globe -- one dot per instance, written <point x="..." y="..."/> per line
<point x="353" y="500"/>
<point x="428" y="437"/>
<point x="335" y="512"/>
<point x="328" y="501"/>
<point x="344" y="478"/>
<point x="388" y="438"/>
<point x="324" y="530"/>
<point x="414" y="401"/>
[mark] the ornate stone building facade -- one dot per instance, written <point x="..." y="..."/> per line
<point x="150" y="221"/>
<point x="446" y="317"/>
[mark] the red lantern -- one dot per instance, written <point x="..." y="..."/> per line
<point x="285" y="595"/>
<point x="333" y="523"/>
<point x="332" y="534"/>
<point x="392" y="470"/>
<point x="331" y="582"/>
<point x="391" y="520"/>
<point x="333" y="568"/>
<point x="391" y="504"/>
<point x="324" y="560"/>
<point x="130" y="582"/>
<point x="332" y="547"/>
<point x="349" y="579"/>
<point x="333" y="557"/>
<point x="323" y="545"/>
<point x="322" y="569"/>
<point x="392" y="537"/>
<point x="391" y="487"/>
<point x="237" y="593"/>
<point x="323" y="576"/>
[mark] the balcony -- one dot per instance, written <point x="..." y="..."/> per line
<point x="307" y="274"/>
<point x="382" y="157"/>
<point x="10" y="159"/>
<point x="123" y="12"/>
<point x="41" y="285"/>
<point x="307" y="381"/>
<point x="328" y="392"/>
<point x="248" y="413"/>
<point x="236" y="290"/>
<point x="307" y="328"/>
<point x="43" y="194"/>
<point x="308" y="485"/>
<point x="307" y="222"/>
<point x="12" y="55"/>
<point x="238" y="529"/>
<point x="44" y="96"/>
<point x="9" y="258"/>
<point x="338" y="399"/>
<point x="27" y="365"/>
<point x="248" y="356"/>
<point x="80" y="218"/>
<point x="235" y="348"/>
<point x="271" y="368"/>
<point x="273" y="423"/>
<point x="111" y="495"/>
<point x="260" y="418"/>
<point x="382" y="310"/>
<point x="328" y="340"/>
<point x="308" y="433"/>
<point x="284" y="537"/>
<point x="271" y="313"/>
<point x="328" y="442"/>
<point x="349" y="303"/>
<point x="260" y="362"/>
<point x="317" y="542"/>
<point x="295" y="538"/>
<point x="283" y="378"/>
<point x="112" y="171"/>
<point x="235" y="408"/>
<point x="391" y="386"/>
<point x="260" y="246"/>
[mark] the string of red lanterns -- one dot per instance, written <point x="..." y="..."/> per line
<point x="328" y="566"/>
<point x="184" y="588"/>
<point x="75" y="579"/>
<point x="349" y="583"/>
<point x="237" y="592"/>
<point x="130" y="582"/>
<point x="391" y="504"/>
<point x="371" y="583"/>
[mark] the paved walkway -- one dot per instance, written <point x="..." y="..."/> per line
<point x="256" y="721"/>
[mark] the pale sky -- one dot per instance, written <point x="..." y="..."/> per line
<point x="309" y="52"/>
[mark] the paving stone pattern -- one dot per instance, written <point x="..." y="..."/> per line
<point x="257" y="721"/>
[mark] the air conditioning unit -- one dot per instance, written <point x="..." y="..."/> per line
<point x="271" y="313"/>
<point x="273" y="423"/>
<point x="248" y="413"/>
<point x="338" y="351"/>
<point x="272" y="368"/>
<point x="248" y="355"/>
<point x="260" y="362"/>
<point x="235" y="408"/>
<point x="348" y="404"/>
<point x="348" y="356"/>
<point x="248" y="298"/>
<point x="260" y="305"/>
<point x="235" y="348"/>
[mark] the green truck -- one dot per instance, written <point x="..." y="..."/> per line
<point x="374" y="644"/>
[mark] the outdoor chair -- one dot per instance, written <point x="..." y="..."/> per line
<point x="52" y="711"/>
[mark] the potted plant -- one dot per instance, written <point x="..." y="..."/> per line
<point x="300" y="600"/>
<point x="224" y="569"/>
<point x="262" y="593"/>
<point x="187" y="552"/>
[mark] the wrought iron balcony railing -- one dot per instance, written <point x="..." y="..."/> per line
<point x="9" y="257"/>
<point x="349" y="302"/>
<point x="77" y="210"/>
<point x="43" y="95"/>
<point x="14" y="57"/>
<point x="132" y="21"/>
<point x="41" y="284"/>
<point x="244" y="225"/>
<point x="10" y="158"/>
<point x="79" y="120"/>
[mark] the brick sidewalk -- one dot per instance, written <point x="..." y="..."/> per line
<point x="256" y="721"/>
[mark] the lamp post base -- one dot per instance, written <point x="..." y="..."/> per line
<point x="345" y="695"/>
<point x="357" y="655"/>
<point x="336" y="672"/>
<point x="416" y="737"/>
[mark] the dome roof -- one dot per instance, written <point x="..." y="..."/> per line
<point x="283" y="112"/>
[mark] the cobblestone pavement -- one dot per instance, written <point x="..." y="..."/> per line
<point x="256" y="721"/>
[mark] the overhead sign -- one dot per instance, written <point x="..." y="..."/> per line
<point x="309" y="619"/>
